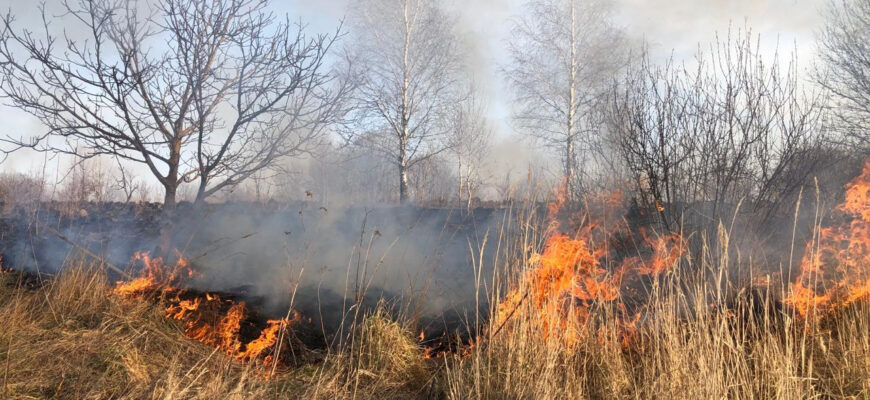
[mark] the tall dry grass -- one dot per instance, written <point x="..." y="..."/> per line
<point x="69" y="339"/>
<point x="701" y="336"/>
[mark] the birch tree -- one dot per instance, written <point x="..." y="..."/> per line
<point x="409" y="79"/>
<point x="563" y="54"/>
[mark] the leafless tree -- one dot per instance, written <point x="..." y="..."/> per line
<point x="737" y="127"/>
<point x="845" y="49"/>
<point x="207" y="91"/>
<point x="470" y="143"/>
<point x="409" y="72"/>
<point x="504" y="187"/>
<point x="126" y="182"/>
<point x="21" y="190"/>
<point x="433" y="180"/>
<point x="564" y="53"/>
<point x="85" y="181"/>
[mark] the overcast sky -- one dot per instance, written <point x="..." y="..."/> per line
<point x="669" y="26"/>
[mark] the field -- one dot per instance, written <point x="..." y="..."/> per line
<point x="434" y="199"/>
<point x="566" y="319"/>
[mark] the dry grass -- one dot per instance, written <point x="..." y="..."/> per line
<point x="382" y="360"/>
<point x="700" y="338"/>
<point x="714" y="354"/>
<point x="71" y="340"/>
<point x="68" y="339"/>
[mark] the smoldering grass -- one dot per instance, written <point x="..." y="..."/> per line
<point x="67" y="339"/>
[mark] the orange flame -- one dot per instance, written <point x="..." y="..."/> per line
<point x="834" y="271"/>
<point x="208" y="319"/>
<point x="570" y="275"/>
<point x="667" y="250"/>
<point x="155" y="275"/>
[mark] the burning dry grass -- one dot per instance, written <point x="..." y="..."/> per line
<point x="69" y="339"/>
<point x="564" y="329"/>
<point x="681" y="349"/>
<point x="211" y="319"/>
<point x="570" y="326"/>
<point x="835" y="270"/>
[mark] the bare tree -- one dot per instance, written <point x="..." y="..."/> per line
<point x="735" y="128"/>
<point x="409" y="80"/>
<point x="845" y="49"/>
<point x="21" y="190"/>
<point x="470" y="144"/>
<point x="126" y="183"/>
<point x="207" y="91"/>
<point x="433" y="180"/>
<point x="85" y="181"/>
<point x="564" y="53"/>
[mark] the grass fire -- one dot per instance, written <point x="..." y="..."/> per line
<point x="206" y="317"/>
<point x="418" y="199"/>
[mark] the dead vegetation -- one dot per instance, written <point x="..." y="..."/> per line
<point x="560" y="326"/>
<point x="563" y="324"/>
<point x="69" y="338"/>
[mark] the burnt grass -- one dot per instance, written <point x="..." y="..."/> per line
<point x="37" y="241"/>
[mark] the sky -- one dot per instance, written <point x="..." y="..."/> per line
<point x="670" y="27"/>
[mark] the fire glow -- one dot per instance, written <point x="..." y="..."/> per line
<point x="575" y="270"/>
<point x="834" y="271"/>
<point x="570" y="275"/>
<point x="207" y="318"/>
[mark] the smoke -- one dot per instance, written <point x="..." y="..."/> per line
<point x="319" y="259"/>
<point x="399" y="252"/>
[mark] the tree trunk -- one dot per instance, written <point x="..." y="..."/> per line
<point x="572" y="104"/>
<point x="403" y="183"/>
<point x="569" y="166"/>
<point x="468" y="186"/>
<point x="403" y="172"/>
<point x="166" y="217"/>
<point x="169" y="198"/>
<point x="459" y="187"/>
<point x="404" y="134"/>
<point x="200" y="192"/>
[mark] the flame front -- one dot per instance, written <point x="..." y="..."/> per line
<point x="570" y="275"/>
<point x="207" y="318"/>
<point x="834" y="271"/>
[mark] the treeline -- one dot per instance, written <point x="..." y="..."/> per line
<point x="224" y="100"/>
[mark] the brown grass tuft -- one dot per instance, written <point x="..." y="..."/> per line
<point x="382" y="360"/>
<point x="70" y="339"/>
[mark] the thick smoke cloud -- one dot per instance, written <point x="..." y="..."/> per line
<point x="268" y="255"/>
<point x="402" y="251"/>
